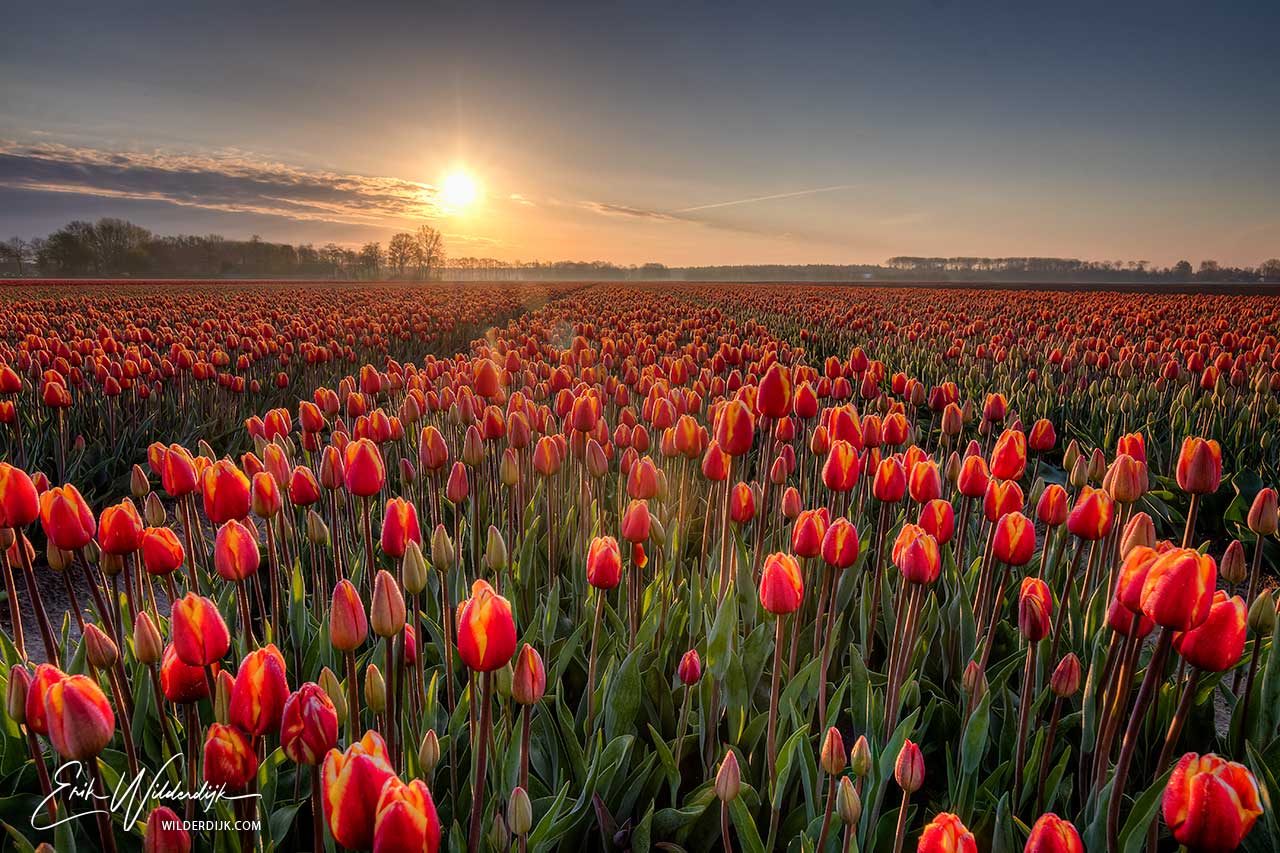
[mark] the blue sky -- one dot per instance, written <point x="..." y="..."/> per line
<point x="677" y="132"/>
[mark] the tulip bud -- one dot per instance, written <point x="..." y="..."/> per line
<point x="519" y="812"/>
<point x="375" y="689"/>
<point x="387" y="610"/>
<point x="728" y="778"/>
<point x="79" y="718"/>
<point x="153" y="511"/>
<point x="499" y="838"/>
<point x="429" y="753"/>
<point x="111" y="564"/>
<point x="16" y="694"/>
<point x="495" y="550"/>
<point x="1079" y="473"/>
<point x="860" y="757"/>
<point x="833" y="758"/>
<point x="317" y="530"/>
<point x="908" y="770"/>
<point x="99" y="649"/>
<point x="222" y="690"/>
<point x="911" y="695"/>
<point x="332" y="686"/>
<point x="1140" y="531"/>
<point x="148" y="648"/>
<point x="1199" y="469"/>
<point x="848" y="804"/>
<point x="442" y="552"/>
<point x="1263" y="515"/>
<point x="1262" y="614"/>
<point x="414" y="569"/>
<point x="974" y="681"/>
<point x="529" y="680"/>
<point x="1232" y="567"/>
<point x="139" y="485"/>
<point x="59" y="560"/>
<point x="1065" y="680"/>
<point x="690" y="668"/>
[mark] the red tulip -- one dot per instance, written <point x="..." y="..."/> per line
<point x="840" y="471"/>
<point x="226" y="492"/>
<point x="399" y="527"/>
<point x="162" y="552"/>
<point x="45" y="677"/>
<point x="1009" y="458"/>
<point x="350" y="785"/>
<point x="840" y="544"/>
<point x="1015" y="539"/>
<point x="120" y="529"/>
<point x="229" y="758"/>
<point x="529" y="679"/>
<point x="308" y="725"/>
<point x="405" y="818"/>
<point x="808" y="532"/>
<point x="1199" y="466"/>
<point x="938" y="518"/>
<point x="604" y="563"/>
<point x="261" y="688"/>
<point x="165" y="832"/>
<point x="946" y="834"/>
<point x="79" y="717"/>
<point x="180" y="682"/>
<point x="1052" y="834"/>
<point x="66" y="518"/>
<point x="200" y="636"/>
<point x="635" y="522"/>
<point x="363" y="469"/>
<point x="916" y="555"/>
<point x="19" y="502"/>
<point x="908" y="768"/>
<point x="486" y="629"/>
<point x="1035" y="609"/>
<point x="235" y="551"/>
<point x="690" y="668"/>
<point x="1178" y="590"/>
<point x="1216" y="644"/>
<point x="781" y="588"/>
<point x="890" y="482"/>
<point x="1209" y="803"/>
<point x="348" y="624"/>
<point x="735" y="428"/>
<point x="1092" y="516"/>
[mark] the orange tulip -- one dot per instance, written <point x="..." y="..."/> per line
<point x="1216" y="644"/>
<point x="363" y="470"/>
<point x="946" y="834"/>
<point x="529" y="680"/>
<point x="45" y="677"/>
<point x="261" y="688"/>
<point x="177" y="471"/>
<point x="1052" y="509"/>
<point x="781" y="588"/>
<point x="808" y="532"/>
<point x="974" y="477"/>
<point x="938" y="518"/>
<point x="66" y="518"/>
<point x="840" y="545"/>
<point x="604" y="563"/>
<point x="1092" y="516"/>
<point x="120" y="529"/>
<point x="350" y="785"/>
<point x="1015" y="539"/>
<point x="19" y="502"/>
<point x="226" y="492"/>
<point x="1043" y="436"/>
<point x="1009" y="458"/>
<point x="1199" y="466"/>
<point x="635" y="522"/>
<point x="1210" y="803"/>
<point x="925" y="482"/>
<point x="399" y="527"/>
<point x="774" y="398"/>
<point x="1035" y="609"/>
<point x="486" y="629"/>
<point x="200" y="636"/>
<point x="79" y="718"/>
<point x="742" y="503"/>
<point x="162" y="552"/>
<point x="1178" y="590"/>
<point x="840" y="471"/>
<point x="1052" y="834"/>
<point x="229" y="758"/>
<point x="916" y="555"/>
<point x="890" y="482"/>
<point x="1001" y="498"/>
<point x="735" y="428"/>
<point x="405" y="818"/>
<point x="180" y="682"/>
<point x="235" y="551"/>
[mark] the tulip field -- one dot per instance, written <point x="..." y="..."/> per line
<point x="533" y="567"/>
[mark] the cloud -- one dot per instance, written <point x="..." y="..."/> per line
<point x="607" y="209"/>
<point x="772" y="197"/>
<point x="231" y="182"/>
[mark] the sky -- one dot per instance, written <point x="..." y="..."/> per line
<point x="682" y="133"/>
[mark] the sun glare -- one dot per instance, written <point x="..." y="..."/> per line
<point x="459" y="190"/>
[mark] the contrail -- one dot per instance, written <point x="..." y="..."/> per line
<point x="765" y="198"/>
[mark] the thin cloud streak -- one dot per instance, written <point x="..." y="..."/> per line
<point x="754" y="199"/>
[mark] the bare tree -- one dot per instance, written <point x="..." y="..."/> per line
<point x="430" y="250"/>
<point x="371" y="258"/>
<point x="401" y="251"/>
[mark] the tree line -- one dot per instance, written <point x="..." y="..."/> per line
<point x="115" y="247"/>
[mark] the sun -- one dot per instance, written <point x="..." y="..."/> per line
<point x="459" y="191"/>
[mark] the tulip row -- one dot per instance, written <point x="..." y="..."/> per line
<point x="730" y="571"/>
